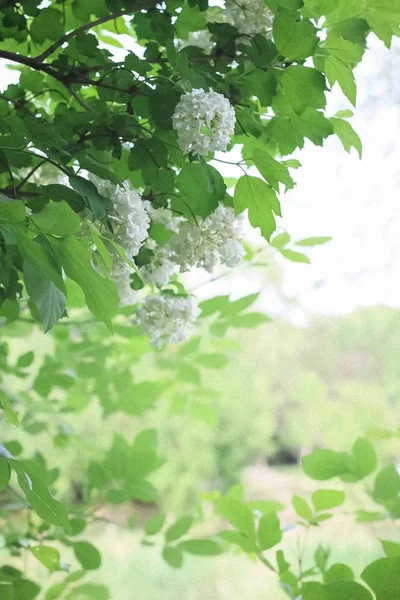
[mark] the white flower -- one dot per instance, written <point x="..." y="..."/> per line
<point x="167" y="318"/>
<point x="130" y="222"/>
<point x="164" y="216"/>
<point x="121" y="275"/>
<point x="204" y="121"/>
<point x="160" y="269"/>
<point x="201" y="39"/>
<point x="249" y="16"/>
<point x="214" y="240"/>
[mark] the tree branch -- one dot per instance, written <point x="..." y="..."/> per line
<point x="140" y="5"/>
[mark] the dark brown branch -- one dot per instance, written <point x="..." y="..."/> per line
<point x="139" y="5"/>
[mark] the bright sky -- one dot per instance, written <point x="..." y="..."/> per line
<point x="356" y="202"/>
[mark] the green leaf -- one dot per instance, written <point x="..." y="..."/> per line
<point x="383" y="577"/>
<point x="201" y="547"/>
<point x="236" y="306"/>
<point x="342" y="56"/>
<point x="285" y="132"/>
<point x="249" y="320"/>
<point x="347" y="135"/>
<point x="5" y="473"/>
<point x="272" y="170"/>
<point x="301" y="507"/>
<point x="154" y="524"/>
<point x="338" y="572"/>
<point x="34" y="252"/>
<point x="88" y="555"/>
<point x="294" y="256"/>
<point x="173" y="556"/>
<point x="100" y="293"/>
<point x="239" y="515"/>
<point x="387" y="484"/>
<point x="313" y="241"/>
<point x="391" y="549"/>
<point x="48" y="299"/>
<point x="178" y="529"/>
<point x="57" y="218"/>
<point x="304" y="87"/>
<point x="325" y="464"/>
<point x="280" y="240"/>
<point x="327" y="499"/>
<point x="149" y="155"/>
<point x="48" y="25"/>
<point x="365" y="456"/>
<point x="313" y="125"/>
<point x="11" y="211"/>
<point x="6" y="591"/>
<point x="294" y="39"/>
<point x="25" y="360"/>
<point x="261" y="200"/>
<point x="348" y="590"/>
<point x="383" y="16"/>
<point x="202" y="187"/>
<point x="213" y="305"/>
<point x="60" y="193"/>
<point x="39" y="497"/>
<point x="86" y="189"/>
<point x="48" y="556"/>
<point x="269" y="530"/>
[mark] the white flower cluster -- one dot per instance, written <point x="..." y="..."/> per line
<point x="204" y="121"/>
<point x="213" y="241"/>
<point x="167" y="318"/>
<point x="121" y="274"/>
<point x="249" y="16"/>
<point x="131" y="221"/>
<point x="130" y="226"/>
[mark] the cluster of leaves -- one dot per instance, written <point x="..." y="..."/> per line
<point x="79" y="107"/>
<point x="83" y="104"/>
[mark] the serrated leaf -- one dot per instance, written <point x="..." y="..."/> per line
<point x="347" y="135"/>
<point x="304" y="87"/>
<point x="261" y="201"/>
<point x="272" y="170"/>
<point x="294" y="39"/>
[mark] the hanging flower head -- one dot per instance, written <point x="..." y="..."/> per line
<point x="167" y="318"/>
<point x="204" y="121"/>
<point x="212" y="241"/>
<point x="249" y="16"/>
<point x="130" y="222"/>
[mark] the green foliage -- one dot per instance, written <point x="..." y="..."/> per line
<point x="83" y="108"/>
